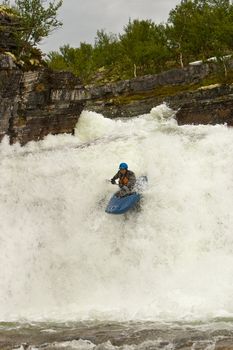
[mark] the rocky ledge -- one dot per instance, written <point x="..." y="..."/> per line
<point x="209" y="105"/>
<point x="36" y="103"/>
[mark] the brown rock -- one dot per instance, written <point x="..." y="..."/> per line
<point x="213" y="107"/>
<point x="39" y="113"/>
<point x="36" y="103"/>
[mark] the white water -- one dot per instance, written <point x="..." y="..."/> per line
<point x="62" y="257"/>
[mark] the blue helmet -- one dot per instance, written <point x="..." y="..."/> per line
<point x="123" y="166"/>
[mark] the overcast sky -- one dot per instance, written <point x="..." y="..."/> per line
<point x="82" y="18"/>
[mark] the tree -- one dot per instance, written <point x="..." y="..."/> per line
<point x="81" y="60"/>
<point x="198" y="29"/>
<point x="76" y="60"/>
<point x="37" y="20"/>
<point x="180" y="28"/>
<point x="106" y="49"/>
<point x="144" y="46"/>
<point x="56" y="61"/>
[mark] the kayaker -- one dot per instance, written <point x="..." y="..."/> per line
<point x="126" y="181"/>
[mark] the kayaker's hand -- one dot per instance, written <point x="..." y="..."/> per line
<point x="113" y="181"/>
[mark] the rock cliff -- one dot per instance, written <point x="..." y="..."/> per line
<point x="7" y="40"/>
<point x="36" y="103"/>
<point x="33" y="103"/>
<point x="210" y="105"/>
<point x="188" y="90"/>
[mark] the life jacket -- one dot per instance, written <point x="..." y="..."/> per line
<point x="123" y="180"/>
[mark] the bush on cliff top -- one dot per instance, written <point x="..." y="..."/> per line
<point x="29" y="29"/>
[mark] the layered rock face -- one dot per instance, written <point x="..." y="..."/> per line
<point x="137" y="96"/>
<point x="35" y="104"/>
<point x="9" y="89"/>
<point x="213" y="105"/>
<point x="47" y="103"/>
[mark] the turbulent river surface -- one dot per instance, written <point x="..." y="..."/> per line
<point x="74" y="277"/>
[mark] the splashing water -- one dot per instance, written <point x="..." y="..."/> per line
<point x="62" y="257"/>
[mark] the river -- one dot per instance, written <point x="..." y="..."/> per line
<point x="69" y="271"/>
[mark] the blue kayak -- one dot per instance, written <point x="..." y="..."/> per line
<point x="120" y="205"/>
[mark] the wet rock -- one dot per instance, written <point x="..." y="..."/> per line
<point x="35" y="104"/>
<point x="9" y="88"/>
<point x="213" y="106"/>
<point x="207" y="105"/>
<point x="7" y="61"/>
<point x="188" y="75"/>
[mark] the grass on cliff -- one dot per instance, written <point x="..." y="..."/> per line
<point x="171" y="90"/>
<point x="8" y="11"/>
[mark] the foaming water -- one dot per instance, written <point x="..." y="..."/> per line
<point x="62" y="257"/>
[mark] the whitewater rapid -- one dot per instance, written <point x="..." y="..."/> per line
<point x="62" y="257"/>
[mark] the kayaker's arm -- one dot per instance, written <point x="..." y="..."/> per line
<point x="115" y="177"/>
